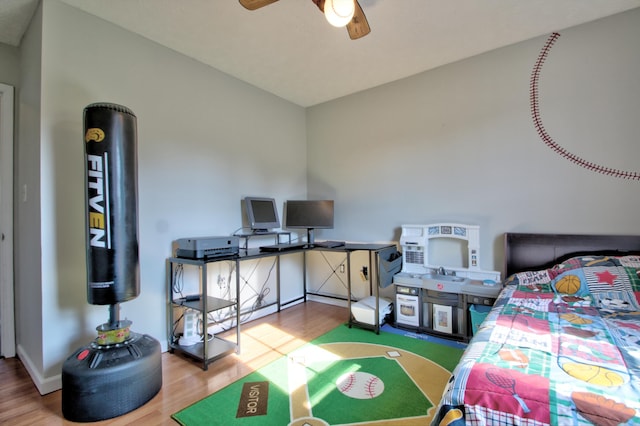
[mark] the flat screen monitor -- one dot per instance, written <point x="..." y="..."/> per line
<point x="309" y="215"/>
<point x="262" y="213"/>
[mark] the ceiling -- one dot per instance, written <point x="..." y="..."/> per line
<point x="288" y="48"/>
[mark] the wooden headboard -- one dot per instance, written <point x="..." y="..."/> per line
<point x="527" y="252"/>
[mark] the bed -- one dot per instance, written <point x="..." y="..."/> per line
<point x="561" y="345"/>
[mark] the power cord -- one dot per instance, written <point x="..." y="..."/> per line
<point x="178" y="279"/>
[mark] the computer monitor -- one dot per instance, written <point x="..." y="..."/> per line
<point x="309" y="215"/>
<point x="262" y="213"/>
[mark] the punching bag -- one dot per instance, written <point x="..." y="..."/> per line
<point x="113" y="273"/>
<point x="120" y="370"/>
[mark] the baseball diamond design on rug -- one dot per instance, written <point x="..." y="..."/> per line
<point x="346" y="376"/>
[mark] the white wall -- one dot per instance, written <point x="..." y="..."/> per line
<point x="205" y="140"/>
<point x="457" y="144"/>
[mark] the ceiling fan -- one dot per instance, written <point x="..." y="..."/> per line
<point x="357" y="26"/>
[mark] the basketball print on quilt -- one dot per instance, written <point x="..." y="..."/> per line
<point x="571" y="288"/>
<point x="570" y="283"/>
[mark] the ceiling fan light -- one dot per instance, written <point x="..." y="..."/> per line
<point x="339" y="12"/>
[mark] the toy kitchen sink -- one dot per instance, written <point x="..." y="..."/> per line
<point x="443" y="282"/>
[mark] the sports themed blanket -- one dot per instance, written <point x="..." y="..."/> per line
<point x="560" y="346"/>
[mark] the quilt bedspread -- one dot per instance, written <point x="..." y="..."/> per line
<point x="560" y="346"/>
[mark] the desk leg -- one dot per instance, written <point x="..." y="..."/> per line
<point x="304" y="275"/>
<point x="377" y="288"/>
<point x="205" y="317"/>
<point x="170" y="329"/>
<point x="349" y="285"/>
<point x="237" y="306"/>
<point x="278" y="282"/>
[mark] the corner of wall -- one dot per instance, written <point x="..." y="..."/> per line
<point x="44" y="385"/>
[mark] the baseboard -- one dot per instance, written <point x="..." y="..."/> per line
<point x="44" y="385"/>
<point x="327" y="300"/>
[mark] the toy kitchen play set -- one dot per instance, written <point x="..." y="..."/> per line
<point x="435" y="299"/>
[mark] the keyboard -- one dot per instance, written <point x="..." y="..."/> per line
<point x="283" y="247"/>
<point x="329" y="244"/>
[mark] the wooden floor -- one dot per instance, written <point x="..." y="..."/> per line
<point x="184" y="382"/>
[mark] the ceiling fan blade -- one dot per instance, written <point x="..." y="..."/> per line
<point x="256" y="4"/>
<point x="358" y="26"/>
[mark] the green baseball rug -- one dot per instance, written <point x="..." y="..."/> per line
<point x="346" y="376"/>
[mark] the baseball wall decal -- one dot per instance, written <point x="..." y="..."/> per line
<point x="534" y="96"/>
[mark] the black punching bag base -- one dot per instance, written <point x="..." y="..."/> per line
<point x="102" y="382"/>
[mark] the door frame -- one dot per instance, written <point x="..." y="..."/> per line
<point x="7" y="318"/>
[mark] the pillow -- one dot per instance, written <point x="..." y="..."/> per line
<point x="531" y="278"/>
<point x="587" y="258"/>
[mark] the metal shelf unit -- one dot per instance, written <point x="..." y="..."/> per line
<point x="208" y="350"/>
